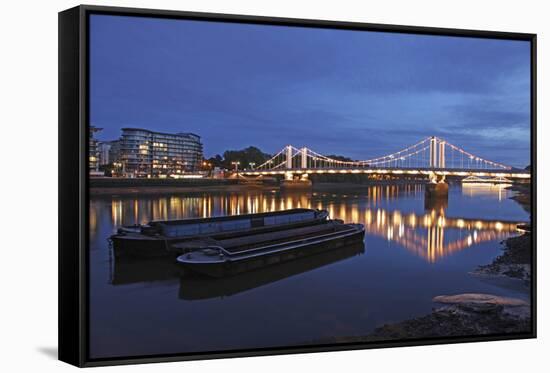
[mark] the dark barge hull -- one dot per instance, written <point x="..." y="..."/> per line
<point x="140" y="247"/>
<point x="231" y="267"/>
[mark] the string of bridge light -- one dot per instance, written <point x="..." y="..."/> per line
<point x="403" y="158"/>
<point x="387" y="159"/>
<point x="270" y="161"/>
<point x="384" y="159"/>
<point x="319" y="157"/>
<point x="396" y="154"/>
<point x="474" y="157"/>
<point x="313" y="154"/>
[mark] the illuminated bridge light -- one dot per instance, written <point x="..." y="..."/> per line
<point x="431" y="155"/>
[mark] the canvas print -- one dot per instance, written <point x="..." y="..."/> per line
<point x="256" y="186"/>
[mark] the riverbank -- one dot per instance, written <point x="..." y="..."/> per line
<point x="515" y="260"/>
<point x="120" y="186"/>
<point x="469" y="314"/>
<point x="463" y="315"/>
<point x="173" y="190"/>
<point x="522" y="195"/>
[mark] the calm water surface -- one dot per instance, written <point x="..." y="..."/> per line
<point x="414" y="250"/>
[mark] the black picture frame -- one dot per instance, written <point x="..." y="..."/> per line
<point x="73" y="181"/>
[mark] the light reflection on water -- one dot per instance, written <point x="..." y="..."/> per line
<point x="420" y="233"/>
<point x="481" y="189"/>
<point x="414" y="250"/>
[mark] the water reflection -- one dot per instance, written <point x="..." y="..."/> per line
<point x="431" y="235"/>
<point x="126" y="211"/>
<point x="125" y="271"/>
<point x="194" y="287"/>
<point x="199" y="287"/>
<point x="437" y="203"/>
<point x="484" y="189"/>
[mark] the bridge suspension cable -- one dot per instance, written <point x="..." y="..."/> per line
<point x="430" y="152"/>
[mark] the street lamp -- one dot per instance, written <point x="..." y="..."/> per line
<point x="236" y="164"/>
<point x="252" y="164"/>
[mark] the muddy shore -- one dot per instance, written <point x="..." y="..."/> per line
<point x="458" y="315"/>
<point x="522" y="195"/>
<point x="515" y="260"/>
<point x="463" y="317"/>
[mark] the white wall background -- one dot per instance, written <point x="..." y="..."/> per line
<point x="28" y="183"/>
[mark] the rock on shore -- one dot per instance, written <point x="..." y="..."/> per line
<point x="469" y="314"/>
<point x="479" y="298"/>
<point x="463" y="315"/>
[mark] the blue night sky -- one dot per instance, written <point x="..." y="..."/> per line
<point x="353" y="93"/>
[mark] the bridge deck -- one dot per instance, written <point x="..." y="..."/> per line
<point x="513" y="173"/>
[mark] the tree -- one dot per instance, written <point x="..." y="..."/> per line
<point x="245" y="157"/>
<point x="216" y="161"/>
<point x="340" y="158"/>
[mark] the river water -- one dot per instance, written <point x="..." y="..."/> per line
<point x="414" y="250"/>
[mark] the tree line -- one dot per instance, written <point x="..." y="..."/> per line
<point x="246" y="158"/>
<point x="249" y="157"/>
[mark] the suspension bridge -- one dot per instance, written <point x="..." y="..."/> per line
<point x="433" y="157"/>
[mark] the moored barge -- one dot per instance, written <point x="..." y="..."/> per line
<point x="233" y="256"/>
<point x="174" y="237"/>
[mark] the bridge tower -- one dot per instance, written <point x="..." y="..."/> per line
<point x="437" y="187"/>
<point x="437" y="153"/>
<point x="433" y="152"/>
<point x="288" y="156"/>
<point x="291" y="180"/>
<point x="441" y="160"/>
